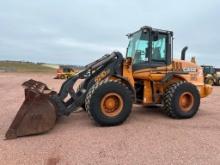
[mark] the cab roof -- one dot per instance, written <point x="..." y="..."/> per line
<point x="149" y="28"/>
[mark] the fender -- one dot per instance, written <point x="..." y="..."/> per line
<point x="169" y="76"/>
<point x="128" y="84"/>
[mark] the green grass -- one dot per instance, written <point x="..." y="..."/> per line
<point x="17" y="66"/>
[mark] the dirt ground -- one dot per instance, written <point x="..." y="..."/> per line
<point x="147" y="137"/>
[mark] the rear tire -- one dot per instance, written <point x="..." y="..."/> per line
<point x="218" y="82"/>
<point x="109" y="102"/>
<point x="181" y="100"/>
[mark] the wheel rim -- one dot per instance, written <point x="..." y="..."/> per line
<point x="210" y="82"/>
<point x="111" y="104"/>
<point x="186" y="101"/>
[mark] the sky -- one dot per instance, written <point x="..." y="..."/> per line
<point x="78" y="32"/>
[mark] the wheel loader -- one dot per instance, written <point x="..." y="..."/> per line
<point x="211" y="75"/>
<point x="148" y="75"/>
<point x="65" y="72"/>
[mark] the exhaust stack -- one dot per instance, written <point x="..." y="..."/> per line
<point x="183" y="53"/>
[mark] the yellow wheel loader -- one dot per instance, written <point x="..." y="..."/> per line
<point x="148" y="75"/>
<point x="211" y="75"/>
<point x="65" y="72"/>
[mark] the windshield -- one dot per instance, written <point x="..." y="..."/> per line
<point x="208" y="69"/>
<point x="138" y="47"/>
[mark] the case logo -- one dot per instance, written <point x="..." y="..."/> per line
<point x="189" y="69"/>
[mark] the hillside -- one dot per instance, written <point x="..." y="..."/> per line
<point x="19" y="66"/>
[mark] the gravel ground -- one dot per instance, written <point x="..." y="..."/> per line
<point x="147" y="137"/>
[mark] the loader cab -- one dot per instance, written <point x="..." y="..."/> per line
<point x="150" y="47"/>
<point x="207" y="69"/>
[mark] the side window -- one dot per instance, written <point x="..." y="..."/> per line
<point x="159" y="48"/>
<point x="141" y="51"/>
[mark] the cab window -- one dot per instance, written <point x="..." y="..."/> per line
<point x="159" y="48"/>
<point x="138" y="47"/>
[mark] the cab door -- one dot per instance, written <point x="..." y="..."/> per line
<point x="153" y="52"/>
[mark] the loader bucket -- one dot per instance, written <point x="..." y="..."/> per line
<point x="36" y="115"/>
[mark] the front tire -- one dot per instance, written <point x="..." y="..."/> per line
<point x="181" y="100"/>
<point x="209" y="81"/>
<point x="109" y="102"/>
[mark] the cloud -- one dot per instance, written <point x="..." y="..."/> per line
<point x="86" y="45"/>
<point x="75" y="31"/>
